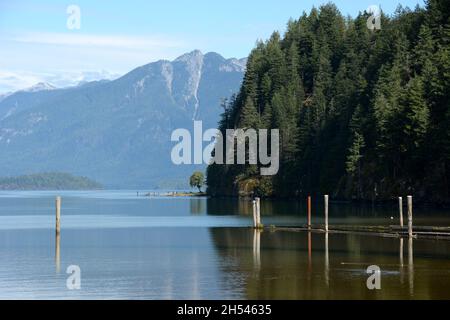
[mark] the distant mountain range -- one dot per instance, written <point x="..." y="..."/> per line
<point x="11" y="81"/>
<point x="116" y="132"/>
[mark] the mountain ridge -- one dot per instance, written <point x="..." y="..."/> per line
<point x="116" y="132"/>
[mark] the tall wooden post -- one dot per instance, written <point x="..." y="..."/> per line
<point x="326" y="213"/>
<point x="400" y="205"/>
<point x="254" y="214"/>
<point x="258" y="213"/>
<point x="410" y="216"/>
<point x="309" y="212"/>
<point x="58" y="215"/>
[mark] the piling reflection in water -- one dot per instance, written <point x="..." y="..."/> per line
<point x="401" y="264"/>
<point x="197" y="206"/>
<point x="257" y="249"/>
<point x="411" y="267"/>
<point x="290" y="267"/>
<point x="58" y="252"/>
<point x="327" y="262"/>
<point x="309" y="253"/>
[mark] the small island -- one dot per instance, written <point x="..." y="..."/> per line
<point x="197" y="180"/>
<point x="48" y="181"/>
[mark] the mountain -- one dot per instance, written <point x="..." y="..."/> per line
<point x="13" y="81"/>
<point x="41" y="86"/>
<point x="116" y="132"/>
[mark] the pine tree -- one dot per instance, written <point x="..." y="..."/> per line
<point x="249" y="115"/>
<point x="416" y="115"/>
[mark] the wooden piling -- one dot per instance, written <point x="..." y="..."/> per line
<point x="258" y="213"/>
<point x="58" y="215"/>
<point x="254" y="214"/>
<point x="400" y="205"/>
<point x="410" y="216"/>
<point x="326" y="213"/>
<point x="309" y="212"/>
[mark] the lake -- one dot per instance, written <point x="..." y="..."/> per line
<point x="130" y="247"/>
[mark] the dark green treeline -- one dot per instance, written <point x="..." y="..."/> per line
<point x="363" y="114"/>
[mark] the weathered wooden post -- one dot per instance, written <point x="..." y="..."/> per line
<point x="326" y="213"/>
<point x="309" y="212"/>
<point x="410" y="216"/>
<point x="400" y="204"/>
<point x="258" y="213"/>
<point x="254" y="214"/>
<point x="58" y="215"/>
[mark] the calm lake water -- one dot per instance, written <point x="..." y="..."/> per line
<point x="130" y="247"/>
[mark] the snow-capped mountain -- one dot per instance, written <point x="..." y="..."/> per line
<point x="41" y="86"/>
<point x="116" y="132"/>
<point x="11" y="82"/>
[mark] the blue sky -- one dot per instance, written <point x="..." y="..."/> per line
<point x="117" y="36"/>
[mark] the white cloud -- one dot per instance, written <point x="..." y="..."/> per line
<point x="75" y="39"/>
<point x="11" y="81"/>
<point x="67" y="58"/>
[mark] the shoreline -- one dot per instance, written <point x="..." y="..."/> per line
<point x="318" y="199"/>
<point x="174" y="194"/>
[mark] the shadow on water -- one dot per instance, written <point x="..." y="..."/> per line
<point x="288" y="265"/>
<point x="340" y="213"/>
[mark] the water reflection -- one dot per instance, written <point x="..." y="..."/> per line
<point x="58" y="252"/>
<point x="327" y="261"/>
<point x="309" y="253"/>
<point x="401" y="266"/>
<point x="257" y="249"/>
<point x="181" y="257"/>
<point x="197" y="206"/>
<point x="411" y="267"/>
<point x="288" y="265"/>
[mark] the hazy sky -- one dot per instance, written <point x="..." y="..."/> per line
<point x="117" y="36"/>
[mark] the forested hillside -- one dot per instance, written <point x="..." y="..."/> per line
<point x="48" y="181"/>
<point x="362" y="114"/>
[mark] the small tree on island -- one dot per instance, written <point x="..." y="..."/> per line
<point x="197" y="180"/>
